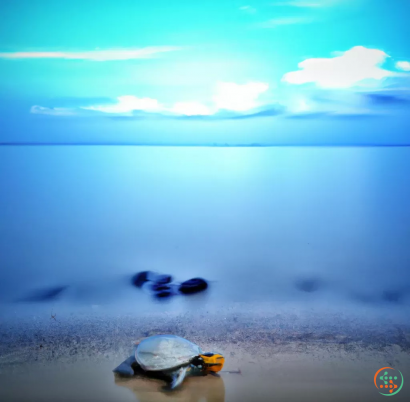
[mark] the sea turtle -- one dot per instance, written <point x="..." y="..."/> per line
<point x="170" y="357"/>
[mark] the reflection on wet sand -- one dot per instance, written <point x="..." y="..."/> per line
<point x="194" y="389"/>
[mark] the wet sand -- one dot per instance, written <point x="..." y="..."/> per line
<point x="281" y="357"/>
<point x="318" y="375"/>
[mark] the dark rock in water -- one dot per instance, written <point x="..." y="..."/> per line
<point x="140" y="278"/>
<point x="193" y="285"/>
<point x="156" y="287"/>
<point x="162" y="279"/>
<point x="162" y="286"/>
<point x="392" y="296"/>
<point x="44" y="294"/>
<point x="164" y="291"/>
<point x="308" y="285"/>
<point x="163" y="294"/>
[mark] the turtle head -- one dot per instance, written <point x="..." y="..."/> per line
<point x="212" y="362"/>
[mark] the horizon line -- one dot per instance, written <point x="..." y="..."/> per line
<point x="204" y="145"/>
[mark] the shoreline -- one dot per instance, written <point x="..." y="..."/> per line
<point x="43" y="339"/>
<point x="286" y="356"/>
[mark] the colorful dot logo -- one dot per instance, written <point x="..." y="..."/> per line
<point x="388" y="381"/>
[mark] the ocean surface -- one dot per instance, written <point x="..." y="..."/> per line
<point x="302" y="225"/>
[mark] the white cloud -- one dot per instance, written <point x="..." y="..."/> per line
<point x="239" y="98"/>
<point x="94" y="55"/>
<point x="343" y="71"/>
<point x="191" y="109"/>
<point x="403" y="65"/>
<point x="285" y="21"/>
<point x="51" y="111"/>
<point x="229" y="96"/>
<point x="127" y="104"/>
<point x="248" y="9"/>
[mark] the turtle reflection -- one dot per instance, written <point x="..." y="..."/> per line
<point x="195" y="389"/>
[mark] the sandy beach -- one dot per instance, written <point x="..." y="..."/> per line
<point x="284" y="355"/>
<point x="305" y="251"/>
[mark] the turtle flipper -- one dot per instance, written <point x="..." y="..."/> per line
<point x="125" y="369"/>
<point x="178" y="377"/>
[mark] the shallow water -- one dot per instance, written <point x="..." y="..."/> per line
<point x="289" y="379"/>
<point x="255" y="221"/>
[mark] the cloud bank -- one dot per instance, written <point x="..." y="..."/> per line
<point x="403" y="65"/>
<point x="94" y="55"/>
<point x="239" y="98"/>
<point x="231" y="100"/>
<point x="350" y="70"/>
<point x="126" y="104"/>
<point x="346" y="70"/>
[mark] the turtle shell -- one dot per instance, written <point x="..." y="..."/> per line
<point x="165" y="352"/>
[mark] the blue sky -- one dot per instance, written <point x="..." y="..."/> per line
<point x="289" y="71"/>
